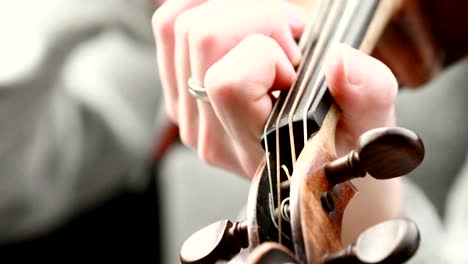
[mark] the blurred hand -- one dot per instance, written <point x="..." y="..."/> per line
<point x="240" y="51"/>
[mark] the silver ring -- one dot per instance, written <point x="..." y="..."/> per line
<point x="197" y="91"/>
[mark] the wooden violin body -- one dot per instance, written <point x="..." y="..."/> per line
<point x="296" y="202"/>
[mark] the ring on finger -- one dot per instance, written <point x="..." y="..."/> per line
<point x="197" y="91"/>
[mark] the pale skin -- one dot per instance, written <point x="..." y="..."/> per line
<point x="241" y="50"/>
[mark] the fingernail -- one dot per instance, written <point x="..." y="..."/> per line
<point x="352" y="64"/>
<point x="334" y="57"/>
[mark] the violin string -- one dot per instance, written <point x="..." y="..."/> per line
<point x="324" y="16"/>
<point x="267" y="153"/>
<point x="316" y="25"/>
<point x="307" y="44"/>
<point x="309" y="33"/>
<point x="303" y="45"/>
<point x="350" y="8"/>
<point x="327" y="21"/>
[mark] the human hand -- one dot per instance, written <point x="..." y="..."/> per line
<point x="240" y="51"/>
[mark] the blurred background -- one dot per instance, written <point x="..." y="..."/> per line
<point x="81" y="107"/>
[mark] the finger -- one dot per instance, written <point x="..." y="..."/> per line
<point x="187" y="106"/>
<point x="364" y="88"/>
<point x="238" y="87"/>
<point x="200" y="127"/>
<point x="215" y="146"/>
<point x="216" y="32"/>
<point x="163" y="28"/>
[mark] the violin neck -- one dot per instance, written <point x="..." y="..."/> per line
<point x="300" y="111"/>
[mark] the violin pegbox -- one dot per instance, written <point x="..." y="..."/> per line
<point x="321" y="190"/>
<point x="316" y="205"/>
<point x="383" y="153"/>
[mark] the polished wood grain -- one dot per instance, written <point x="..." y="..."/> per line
<point x="383" y="153"/>
<point x="317" y="231"/>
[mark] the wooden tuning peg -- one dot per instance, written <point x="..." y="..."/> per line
<point x="384" y="153"/>
<point x="219" y="241"/>
<point x="393" y="241"/>
<point x="271" y="253"/>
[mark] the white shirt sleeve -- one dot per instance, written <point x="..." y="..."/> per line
<point x="78" y="101"/>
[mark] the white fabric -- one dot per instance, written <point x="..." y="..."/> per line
<point x="78" y="101"/>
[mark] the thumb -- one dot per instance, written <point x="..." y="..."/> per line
<point x="364" y="88"/>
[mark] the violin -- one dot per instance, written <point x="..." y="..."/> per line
<point x="301" y="188"/>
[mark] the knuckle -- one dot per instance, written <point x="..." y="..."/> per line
<point x="218" y="86"/>
<point x="276" y="11"/>
<point x="206" y="156"/>
<point x="162" y="24"/>
<point x="212" y="80"/>
<point x="261" y="43"/>
<point x="182" y="24"/>
<point x="202" y="37"/>
<point x="255" y="39"/>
